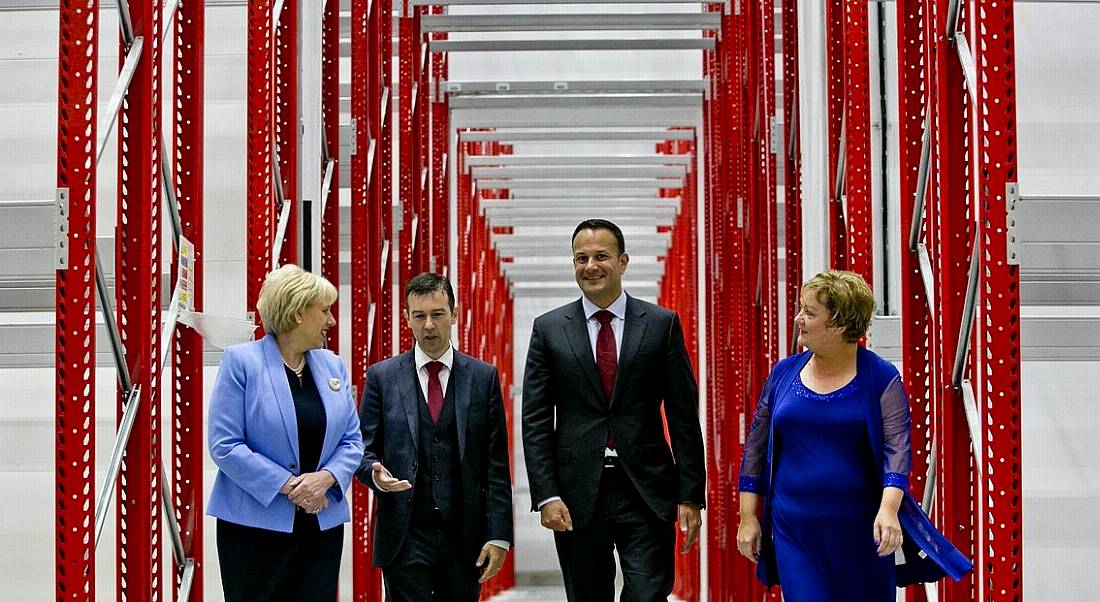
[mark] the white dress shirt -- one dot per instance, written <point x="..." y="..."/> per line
<point x="422" y="360"/>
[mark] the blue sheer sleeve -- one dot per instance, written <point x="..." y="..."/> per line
<point x="896" y="447"/>
<point x="754" y="462"/>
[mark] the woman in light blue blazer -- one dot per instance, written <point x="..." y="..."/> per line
<point x="284" y="433"/>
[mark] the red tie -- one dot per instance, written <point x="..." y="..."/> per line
<point x="606" y="357"/>
<point x="607" y="361"/>
<point x="435" y="390"/>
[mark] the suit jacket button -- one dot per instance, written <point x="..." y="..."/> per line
<point x="292" y="465"/>
<point x="414" y="466"/>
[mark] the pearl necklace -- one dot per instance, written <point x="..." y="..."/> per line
<point x="297" y="371"/>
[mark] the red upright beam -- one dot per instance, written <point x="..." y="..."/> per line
<point x="259" y="146"/>
<point x="75" y="309"/>
<point x="366" y="272"/>
<point x="440" y="139"/>
<point x="382" y="181"/>
<point x="769" y="295"/>
<point x="997" y="328"/>
<point x="834" y="91"/>
<point x="949" y="233"/>
<point x="330" y="119"/>
<point x="188" y="449"/>
<point x="678" y="292"/>
<point x="285" y="113"/>
<point x="408" y="172"/>
<point x="916" y="335"/>
<point x="857" y="141"/>
<point x="137" y="257"/>
<point x="792" y="168"/>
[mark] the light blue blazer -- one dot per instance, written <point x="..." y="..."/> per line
<point x="253" y="436"/>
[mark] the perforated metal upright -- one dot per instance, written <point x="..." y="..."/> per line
<point x="75" y="309"/>
<point x="440" y="139"/>
<point x="792" y="166"/>
<point x="189" y="448"/>
<point x="260" y="216"/>
<point x="835" y="73"/>
<point x="949" y="230"/>
<point x="916" y="323"/>
<point x="286" y="125"/>
<point x="960" y="285"/>
<point x="483" y="299"/>
<point x="856" y="168"/>
<point x="371" y="300"/>
<point x="996" y="346"/>
<point x="137" y="257"/>
<point x="678" y="292"/>
<point x="330" y="119"/>
<point x="413" y="174"/>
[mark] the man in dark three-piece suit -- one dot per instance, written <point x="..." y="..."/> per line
<point x="602" y="474"/>
<point x="436" y="454"/>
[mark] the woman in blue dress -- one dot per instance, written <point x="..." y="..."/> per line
<point x="829" y="452"/>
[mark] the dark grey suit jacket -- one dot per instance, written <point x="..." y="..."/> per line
<point x="567" y="417"/>
<point x="389" y="418"/>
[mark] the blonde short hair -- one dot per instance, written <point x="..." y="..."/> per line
<point x="848" y="299"/>
<point x="286" y="293"/>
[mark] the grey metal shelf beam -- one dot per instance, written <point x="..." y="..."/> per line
<point x="521" y="206"/>
<point x="541" y="195"/>
<point x="590" y="44"/>
<point x="551" y="221"/>
<point x="526" y="2"/>
<point x="468" y="88"/>
<point x="571" y="22"/>
<point x="519" y="272"/>
<point x="586" y="183"/>
<point x="578" y="135"/>
<point x="573" y="172"/>
<point x="511" y="245"/>
<point x="578" y="101"/>
<point x="1059" y="249"/>
<point x="584" y="160"/>
<point x="1042" y="337"/>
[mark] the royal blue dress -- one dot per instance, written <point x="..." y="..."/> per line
<point x="821" y="462"/>
<point x="826" y="493"/>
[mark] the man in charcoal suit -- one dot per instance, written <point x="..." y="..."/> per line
<point x="436" y="454"/>
<point x="603" y="477"/>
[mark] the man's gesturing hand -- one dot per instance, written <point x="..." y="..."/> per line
<point x="492" y="558"/>
<point x="386" y="481"/>
<point x="555" y="516"/>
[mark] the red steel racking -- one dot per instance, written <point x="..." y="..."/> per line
<point x="189" y="446"/>
<point x="75" y="352"/>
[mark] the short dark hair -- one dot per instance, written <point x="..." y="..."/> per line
<point x="427" y="283"/>
<point x="601" y="224"/>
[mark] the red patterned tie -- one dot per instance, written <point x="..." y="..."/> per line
<point x="435" y="390"/>
<point x="607" y="361"/>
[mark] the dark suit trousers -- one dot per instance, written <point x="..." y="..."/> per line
<point x="622" y="520"/>
<point x="431" y="565"/>
<point x="259" y="565"/>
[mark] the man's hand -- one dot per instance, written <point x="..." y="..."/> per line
<point x="690" y="519"/>
<point x="492" y="558"/>
<point x="386" y="481"/>
<point x="555" y="516"/>
<point x="309" y="492"/>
